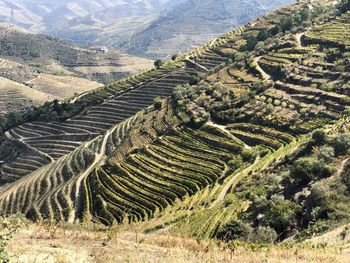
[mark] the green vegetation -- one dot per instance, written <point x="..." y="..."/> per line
<point x="35" y="46"/>
<point x="235" y="140"/>
<point x="297" y="200"/>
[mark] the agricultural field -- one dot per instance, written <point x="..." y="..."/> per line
<point x="238" y="140"/>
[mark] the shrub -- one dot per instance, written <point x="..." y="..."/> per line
<point x="341" y="143"/>
<point x="326" y="153"/>
<point x="314" y="86"/>
<point x="236" y="163"/>
<point x="346" y="175"/>
<point x="326" y="87"/>
<point x="320" y="201"/>
<point x="343" y="234"/>
<point x="8" y="226"/>
<point x="234" y="230"/>
<point x="157" y="103"/>
<point x="277" y="213"/>
<point x="306" y="169"/>
<point x="319" y="137"/>
<point x="229" y="200"/>
<point x="277" y="102"/>
<point x="263" y="235"/>
<point x="248" y="156"/>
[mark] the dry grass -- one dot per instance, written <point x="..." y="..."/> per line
<point x="126" y="63"/>
<point x="15" y="96"/>
<point x="63" y="86"/>
<point x="50" y="243"/>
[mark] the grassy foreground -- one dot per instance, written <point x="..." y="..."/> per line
<point x="76" y="243"/>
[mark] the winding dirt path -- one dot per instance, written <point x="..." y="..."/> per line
<point x="234" y="180"/>
<point x="195" y="63"/>
<point x="342" y="166"/>
<point x="298" y="38"/>
<point x="100" y="158"/>
<point x="264" y="75"/>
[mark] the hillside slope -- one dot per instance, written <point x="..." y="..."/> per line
<point x="56" y="68"/>
<point x="155" y="29"/>
<point x="195" y="22"/>
<point x="83" y="21"/>
<point x="246" y="138"/>
<point x="40" y="15"/>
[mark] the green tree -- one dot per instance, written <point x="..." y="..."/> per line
<point x="341" y="143"/>
<point x="234" y="230"/>
<point x="157" y="103"/>
<point x="158" y="63"/>
<point x="319" y="137"/>
<point x="306" y="169"/>
<point x="278" y="213"/>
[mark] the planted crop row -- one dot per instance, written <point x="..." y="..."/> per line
<point x="149" y="180"/>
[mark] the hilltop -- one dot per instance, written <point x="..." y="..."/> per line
<point x="244" y="141"/>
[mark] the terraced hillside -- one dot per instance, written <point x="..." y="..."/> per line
<point x="53" y="69"/>
<point x="189" y="147"/>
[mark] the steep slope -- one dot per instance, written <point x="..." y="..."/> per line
<point x="195" y="22"/>
<point x="204" y="146"/>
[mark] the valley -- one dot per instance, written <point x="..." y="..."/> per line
<point x="54" y="69"/>
<point x="243" y="142"/>
<point x="153" y="29"/>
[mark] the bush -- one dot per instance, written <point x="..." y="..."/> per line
<point x="234" y="230"/>
<point x="320" y="201"/>
<point x="8" y="226"/>
<point x="278" y="213"/>
<point x="346" y="175"/>
<point x="306" y="169"/>
<point x="229" y="200"/>
<point x="319" y="137"/>
<point x="236" y="163"/>
<point x="157" y="103"/>
<point x="326" y="154"/>
<point x="326" y="87"/>
<point x="341" y="143"/>
<point x="263" y="235"/>
<point x="158" y="63"/>
<point x="248" y="156"/>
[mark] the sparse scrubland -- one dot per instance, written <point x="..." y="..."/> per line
<point x="237" y="151"/>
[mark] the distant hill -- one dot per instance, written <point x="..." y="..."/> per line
<point x="155" y="29"/>
<point x="37" y="68"/>
<point x="196" y="22"/>
<point x="83" y="20"/>
<point x="43" y="14"/>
